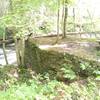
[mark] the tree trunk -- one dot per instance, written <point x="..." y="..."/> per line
<point x="74" y="19"/>
<point x="10" y="5"/>
<point x="4" y="51"/>
<point x="65" y="19"/>
<point x="63" y="11"/>
<point x="22" y="51"/>
<point x="17" y="51"/>
<point x="4" y="6"/>
<point x="92" y="23"/>
<point x="58" y="15"/>
<point x="20" y="45"/>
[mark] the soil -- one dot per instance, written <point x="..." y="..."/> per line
<point x="85" y="48"/>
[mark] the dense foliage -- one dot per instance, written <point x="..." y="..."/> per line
<point x="38" y="17"/>
<point x="34" y="87"/>
<point x="64" y="77"/>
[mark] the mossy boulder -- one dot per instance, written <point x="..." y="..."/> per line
<point x="42" y="61"/>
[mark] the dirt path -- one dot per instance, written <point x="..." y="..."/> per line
<point x="79" y="47"/>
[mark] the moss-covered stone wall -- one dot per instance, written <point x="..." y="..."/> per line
<point x="52" y="61"/>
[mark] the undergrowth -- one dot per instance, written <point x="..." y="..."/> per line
<point x="16" y="84"/>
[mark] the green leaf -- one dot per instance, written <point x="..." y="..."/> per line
<point x="82" y="66"/>
<point x="98" y="78"/>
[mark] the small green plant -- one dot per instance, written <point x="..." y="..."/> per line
<point x="97" y="73"/>
<point x="89" y="69"/>
<point x="41" y="87"/>
<point x="67" y="72"/>
<point x="84" y="66"/>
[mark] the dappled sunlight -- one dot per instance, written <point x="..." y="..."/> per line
<point x="49" y="50"/>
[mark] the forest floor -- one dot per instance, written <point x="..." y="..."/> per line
<point x="76" y="45"/>
<point x="18" y="84"/>
<point x="86" y="48"/>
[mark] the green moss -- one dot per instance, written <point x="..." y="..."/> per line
<point x="43" y="61"/>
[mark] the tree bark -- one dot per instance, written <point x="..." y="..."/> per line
<point x="4" y="6"/>
<point x="4" y="50"/>
<point x="74" y="19"/>
<point x="92" y="23"/>
<point x="10" y="5"/>
<point x="17" y="52"/>
<point x="58" y="15"/>
<point x="65" y="19"/>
